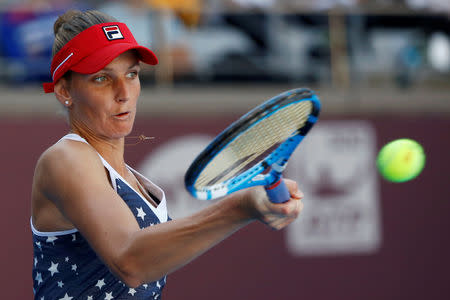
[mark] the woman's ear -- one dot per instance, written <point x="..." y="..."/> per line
<point x="62" y="92"/>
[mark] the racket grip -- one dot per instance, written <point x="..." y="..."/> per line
<point x="278" y="192"/>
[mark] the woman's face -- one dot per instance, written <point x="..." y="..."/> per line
<point x="104" y="103"/>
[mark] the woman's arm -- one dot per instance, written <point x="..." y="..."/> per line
<point x="74" y="179"/>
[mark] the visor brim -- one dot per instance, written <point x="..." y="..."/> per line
<point x="101" y="58"/>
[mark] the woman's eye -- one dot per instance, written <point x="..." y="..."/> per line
<point x="132" y="74"/>
<point x="100" y="79"/>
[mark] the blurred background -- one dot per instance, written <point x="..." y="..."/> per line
<point x="382" y="71"/>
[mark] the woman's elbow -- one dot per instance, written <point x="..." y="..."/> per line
<point x="127" y="272"/>
<point x="131" y="272"/>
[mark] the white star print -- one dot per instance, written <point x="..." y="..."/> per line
<point x="66" y="259"/>
<point x="108" y="296"/>
<point x="90" y="298"/>
<point x="74" y="267"/>
<point x="39" y="245"/>
<point x="60" y="284"/>
<point x="141" y="213"/>
<point x="145" y="285"/>
<point x="74" y="237"/>
<point x="100" y="283"/>
<point x="53" y="268"/>
<point x="156" y="297"/>
<point x="158" y="285"/>
<point x="66" y="297"/>
<point x="132" y="291"/>
<point x="35" y="261"/>
<point x="42" y="298"/>
<point x="38" y="278"/>
<point x="51" y="239"/>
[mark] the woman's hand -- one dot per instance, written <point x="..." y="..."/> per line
<point x="276" y="216"/>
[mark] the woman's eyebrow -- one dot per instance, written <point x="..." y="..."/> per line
<point x="130" y="67"/>
<point x="133" y="65"/>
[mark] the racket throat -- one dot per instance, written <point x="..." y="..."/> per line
<point x="273" y="178"/>
<point x="279" y="166"/>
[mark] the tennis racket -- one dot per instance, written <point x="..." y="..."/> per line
<point x="255" y="149"/>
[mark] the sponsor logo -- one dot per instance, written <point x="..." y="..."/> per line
<point x="112" y="32"/>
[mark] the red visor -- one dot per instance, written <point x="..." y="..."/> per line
<point x="92" y="49"/>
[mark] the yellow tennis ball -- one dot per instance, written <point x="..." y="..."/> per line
<point x="401" y="160"/>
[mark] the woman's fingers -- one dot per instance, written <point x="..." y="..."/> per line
<point x="275" y="215"/>
<point x="293" y="188"/>
<point x="283" y="214"/>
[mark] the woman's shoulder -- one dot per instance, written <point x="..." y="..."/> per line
<point x="67" y="155"/>
<point x="66" y="166"/>
<point x="68" y="150"/>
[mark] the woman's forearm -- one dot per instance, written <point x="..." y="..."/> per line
<point x="158" y="250"/>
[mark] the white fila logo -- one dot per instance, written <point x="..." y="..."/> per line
<point x="112" y="32"/>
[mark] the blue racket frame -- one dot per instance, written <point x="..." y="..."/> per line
<point x="276" y="160"/>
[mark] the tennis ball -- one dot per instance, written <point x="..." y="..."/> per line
<point x="401" y="160"/>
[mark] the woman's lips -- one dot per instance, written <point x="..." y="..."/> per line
<point x="123" y="115"/>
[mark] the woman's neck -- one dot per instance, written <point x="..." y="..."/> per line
<point x="112" y="150"/>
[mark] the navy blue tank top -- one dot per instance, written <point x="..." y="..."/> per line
<point x="65" y="266"/>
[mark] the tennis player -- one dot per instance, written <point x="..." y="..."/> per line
<point x="101" y="229"/>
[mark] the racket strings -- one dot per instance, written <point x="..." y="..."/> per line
<point x="246" y="149"/>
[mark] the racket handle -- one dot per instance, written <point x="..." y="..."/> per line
<point x="278" y="192"/>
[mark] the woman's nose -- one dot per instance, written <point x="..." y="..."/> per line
<point x="122" y="90"/>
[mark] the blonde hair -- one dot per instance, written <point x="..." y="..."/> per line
<point x="73" y="22"/>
